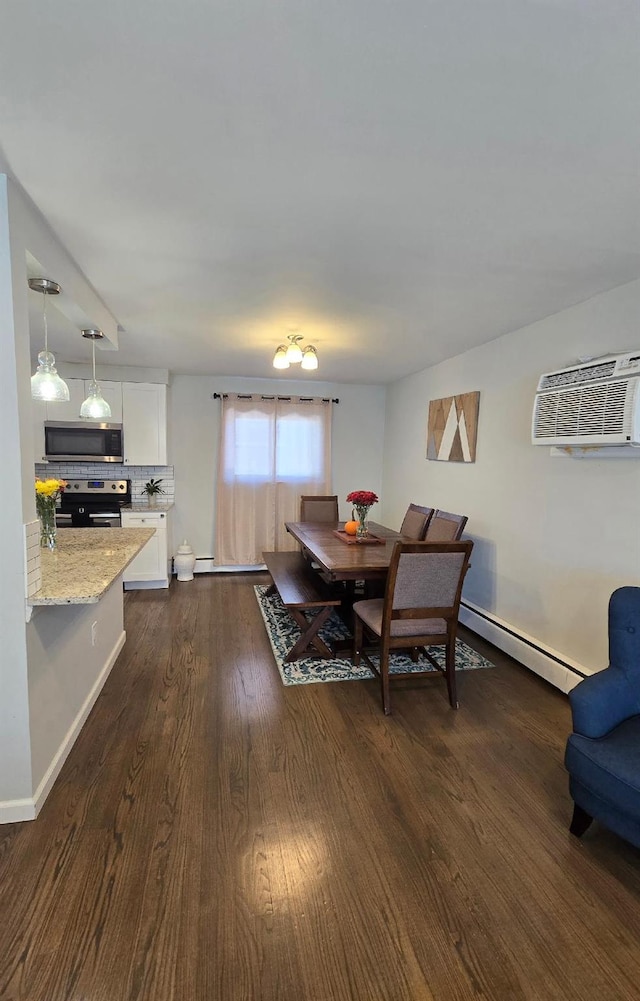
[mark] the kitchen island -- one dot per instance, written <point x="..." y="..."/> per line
<point x="86" y="563"/>
<point x="75" y="631"/>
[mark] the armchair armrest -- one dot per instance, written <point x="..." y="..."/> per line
<point x="602" y="701"/>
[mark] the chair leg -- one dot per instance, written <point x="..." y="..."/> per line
<point x="357" y="640"/>
<point x="450" y="669"/>
<point x="384" y="678"/>
<point x="580" y="821"/>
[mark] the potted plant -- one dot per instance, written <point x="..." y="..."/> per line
<point x="151" y="490"/>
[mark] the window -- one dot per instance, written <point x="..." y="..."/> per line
<point x="271" y="452"/>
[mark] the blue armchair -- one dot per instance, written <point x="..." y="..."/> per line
<point x="603" y="752"/>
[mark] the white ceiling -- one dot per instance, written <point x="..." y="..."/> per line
<point x="399" y="181"/>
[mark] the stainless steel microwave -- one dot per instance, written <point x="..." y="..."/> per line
<point x="83" y="441"/>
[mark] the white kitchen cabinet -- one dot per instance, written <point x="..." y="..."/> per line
<point x="68" y="411"/>
<point x="78" y="392"/>
<point x="152" y="566"/>
<point x="112" y="393"/>
<point x="144" y="418"/>
<point x="39" y="414"/>
<point x="140" y="407"/>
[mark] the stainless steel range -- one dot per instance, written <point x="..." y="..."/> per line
<point x="93" y="503"/>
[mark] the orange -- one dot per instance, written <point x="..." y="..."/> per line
<point x="351" y="527"/>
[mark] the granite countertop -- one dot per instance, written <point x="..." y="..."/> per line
<point x="85" y="563"/>
<point x="146" y="508"/>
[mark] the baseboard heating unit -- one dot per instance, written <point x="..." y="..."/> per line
<point x="559" y="671"/>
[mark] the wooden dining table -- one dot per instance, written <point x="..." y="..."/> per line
<point x="341" y="560"/>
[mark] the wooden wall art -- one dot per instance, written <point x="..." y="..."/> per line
<point x="453" y="428"/>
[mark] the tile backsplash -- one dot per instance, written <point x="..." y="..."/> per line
<point x="139" y="475"/>
<point x="33" y="574"/>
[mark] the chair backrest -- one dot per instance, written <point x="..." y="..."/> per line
<point x="415" y="522"/>
<point x="624" y="630"/>
<point x="319" y="508"/>
<point x="425" y="580"/>
<point x="445" y="527"/>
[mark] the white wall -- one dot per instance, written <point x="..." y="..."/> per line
<point x="358" y="432"/>
<point x="553" y="535"/>
<point x="66" y="673"/>
<point x="24" y="234"/>
<point x="15" y="761"/>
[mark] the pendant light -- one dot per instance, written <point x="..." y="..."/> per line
<point x="46" y="384"/>
<point x="95" y="407"/>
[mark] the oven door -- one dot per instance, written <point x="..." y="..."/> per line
<point x="83" y="441"/>
<point x="105" y="519"/>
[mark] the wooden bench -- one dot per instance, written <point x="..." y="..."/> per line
<point x="302" y="590"/>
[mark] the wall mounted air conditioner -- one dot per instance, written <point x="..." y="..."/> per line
<point x="596" y="403"/>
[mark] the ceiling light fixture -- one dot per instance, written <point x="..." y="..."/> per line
<point x="309" y="358"/>
<point x="46" y="384"/>
<point x="293" y="354"/>
<point x="95" y="407"/>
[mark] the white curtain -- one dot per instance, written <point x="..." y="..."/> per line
<point x="272" y="450"/>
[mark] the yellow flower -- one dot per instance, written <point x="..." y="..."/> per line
<point x="50" y="488"/>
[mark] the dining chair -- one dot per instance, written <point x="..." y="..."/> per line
<point x="419" y="610"/>
<point x="415" y="522"/>
<point x="318" y="508"/>
<point x="445" y="527"/>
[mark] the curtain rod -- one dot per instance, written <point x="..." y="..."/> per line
<point x="249" y="396"/>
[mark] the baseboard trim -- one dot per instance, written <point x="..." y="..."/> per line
<point x="14" y="811"/>
<point x="209" y="565"/>
<point x="562" y="672"/>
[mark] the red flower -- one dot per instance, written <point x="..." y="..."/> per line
<point x="362" y="498"/>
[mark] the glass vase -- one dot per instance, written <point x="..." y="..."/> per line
<point x="46" y="507"/>
<point x="362" y="515"/>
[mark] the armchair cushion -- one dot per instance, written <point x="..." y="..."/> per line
<point x="609" y="767"/>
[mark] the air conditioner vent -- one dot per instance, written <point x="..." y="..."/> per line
<point x="575" y="376"/>
<point x="585" y="411"/>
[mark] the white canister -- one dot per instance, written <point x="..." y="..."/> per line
<point x="184" y="562"/>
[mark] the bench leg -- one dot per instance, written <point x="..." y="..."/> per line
<point x="309" y="637"/>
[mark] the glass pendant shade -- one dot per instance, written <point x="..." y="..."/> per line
<point x="309" y="358"/>
<point x="294" y="351"/>
<point x="95" y="407"/>
<point x="280" y="359"/>
<point x="46" y="384"/>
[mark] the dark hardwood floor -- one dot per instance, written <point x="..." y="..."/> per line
<point x="215" y="836"/>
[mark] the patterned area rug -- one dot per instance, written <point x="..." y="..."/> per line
<point x="283" y="633"/>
